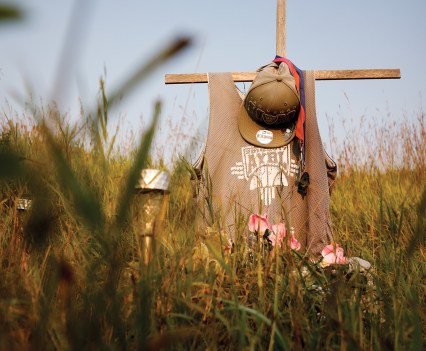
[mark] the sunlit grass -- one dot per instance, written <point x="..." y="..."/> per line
<point x="73" y="277"/>
<point x="73" y="274"/>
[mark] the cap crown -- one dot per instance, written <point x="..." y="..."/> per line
<point x="272" y="99"/>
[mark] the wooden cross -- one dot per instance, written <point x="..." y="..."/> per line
<point x="281" y="51"/>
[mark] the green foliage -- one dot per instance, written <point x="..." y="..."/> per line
<point x="9" y="12"/>
<point x="74" y="275"/>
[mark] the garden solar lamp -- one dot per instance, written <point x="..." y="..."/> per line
<point x="23" y="205"/>
<point x="150" y="208"/>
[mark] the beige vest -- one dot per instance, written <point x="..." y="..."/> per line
<point x="239" y="179"/>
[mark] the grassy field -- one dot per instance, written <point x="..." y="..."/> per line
<point x="73" y="278"/>
<point x="72" y="274"/>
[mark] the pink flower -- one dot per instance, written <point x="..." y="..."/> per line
<point x="333" y="254"/>
<point x="280" y="232"/>
<point x="294" y="243"/>
<point x="273" y="239"/>
<point x="259" y="224"/>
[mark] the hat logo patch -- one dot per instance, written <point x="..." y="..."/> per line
<point x="264" y="136"/>
<point x="269" y="119"/>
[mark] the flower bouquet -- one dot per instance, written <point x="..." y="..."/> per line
<point x="273" y="235"/>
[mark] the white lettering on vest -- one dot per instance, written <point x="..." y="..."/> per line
<point x="265" y="169"/>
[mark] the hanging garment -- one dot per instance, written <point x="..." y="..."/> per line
<point x="238" y="179"/>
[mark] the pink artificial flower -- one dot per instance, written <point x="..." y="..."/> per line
<point x="280" y="232"/>
<point x="294" y="243"/>
<point x="273" y="239"/>
<point x="333" y="254"/>
<point x="258" y="224"/>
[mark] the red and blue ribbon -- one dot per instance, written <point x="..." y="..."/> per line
<point x="300" y="86"/>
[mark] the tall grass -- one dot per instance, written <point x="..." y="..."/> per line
<point x="73" y="277"/>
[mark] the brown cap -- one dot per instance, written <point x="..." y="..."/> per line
<point x="269" y="111"/>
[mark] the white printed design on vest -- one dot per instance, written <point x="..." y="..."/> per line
<point x="265" y="170"/>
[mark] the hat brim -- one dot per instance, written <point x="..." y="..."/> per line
<point x="265" y="137"/>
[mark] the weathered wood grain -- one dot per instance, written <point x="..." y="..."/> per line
<point x="281" y="28"/>
<point x="319" y="75"/>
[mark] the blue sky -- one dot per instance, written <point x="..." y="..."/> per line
<point x="112" y="38"/>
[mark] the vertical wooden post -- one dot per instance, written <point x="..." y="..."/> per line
<point x="281" y="36"/>
<point x="281" y="27"/>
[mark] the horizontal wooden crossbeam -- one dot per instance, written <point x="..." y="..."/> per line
<point x="188" y="78"/>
